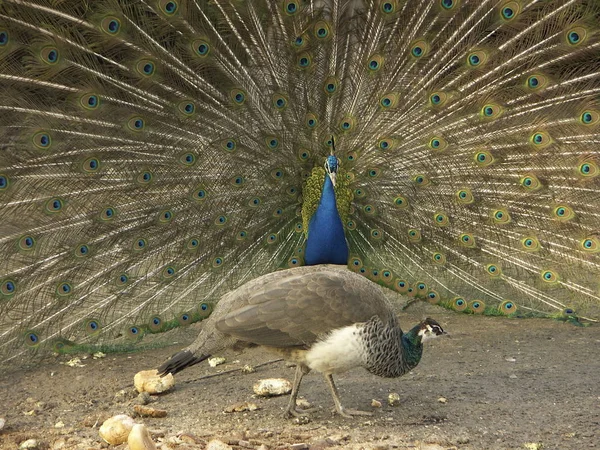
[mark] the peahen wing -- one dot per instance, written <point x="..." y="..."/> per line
<point x="299" y="305"/>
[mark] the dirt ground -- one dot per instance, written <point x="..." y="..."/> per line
<point x="493" y="383"/>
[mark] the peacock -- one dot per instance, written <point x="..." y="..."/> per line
<point x="156" y="154"/>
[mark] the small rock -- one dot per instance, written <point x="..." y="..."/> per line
<point x="337" y="439"/>
<point x="240" y="407"/>
<point x="272" y="386"/>
<point x="59" y="424"/>
<point x="443" y="400"/>
<point x="510" y="359"/>
<point x="147" y="411"/>
<point x="29" y="444"/>
<point x="394" y="399"/>
<point x="116" y="429"/>
<point x="214" y="362"/>
<point x="59" y="444"/>
<point x="149" y="381"/>
<point x="75" y="362"/>
<point x="248" y="369"/>
<point x="302" y="420"/>
<point x="512" y="375"/>
<point x="303" y="403"/>
<point x="189" y="438"/>
<point x="216" y="444"/>
<point x="301" y="446"/>
<point x="376" y="403"/>
<point x="2" y="423"/>
<point x="533" y="445"/>
<point x="245" y="444"/>
<point x="143" y="399"/>
<point x="140" y="439"/>
<point x="99" y="355"/>
<point x="124" y="395"/>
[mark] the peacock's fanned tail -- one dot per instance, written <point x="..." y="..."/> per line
<point x="155" y="154"/>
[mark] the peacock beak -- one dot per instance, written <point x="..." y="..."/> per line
<point x="332" y="177"/>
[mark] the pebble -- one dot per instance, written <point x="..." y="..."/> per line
<point x="217" y="360"/>
<point x="376" y="403"/>
<point x="272" y="386"/>
<point x="29" y="444"/>
<point x="240" y="407"/>
<point x="443" y="400"/>
<point x="140" y="439"/>
<point x="217" y="444"/>
<point x="394" y="399"/>
<point x="300" y="446"/>
<point x="147" y="411"/>
<point x="149" y="381"/>
<point x="2" y="423"/>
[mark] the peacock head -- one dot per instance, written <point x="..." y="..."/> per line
<point x="429" y="329"/>
<point x="331" y="167"/>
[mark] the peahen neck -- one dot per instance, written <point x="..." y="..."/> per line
<point x="326" y="243"/>
<point x="412" y="346"/>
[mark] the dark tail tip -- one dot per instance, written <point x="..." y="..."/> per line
<point x="180" y="361"/>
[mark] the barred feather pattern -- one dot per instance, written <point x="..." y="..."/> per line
<point x="154" y="155"/>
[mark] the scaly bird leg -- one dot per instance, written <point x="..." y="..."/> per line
<point x="338" y="405"/>
<point x="291" y="409"/>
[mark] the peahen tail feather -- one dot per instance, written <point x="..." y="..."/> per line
<point x="155" y="154"/>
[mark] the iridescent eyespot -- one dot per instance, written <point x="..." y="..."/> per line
<point x="145" y="67"/>
<point x="576" y="36"/>
<point x="375" y="63"/>
<point x="501" y="216"/>
<point x="169" y="272"/>
<point x="484" y="158"/>
<point x="82" y="251"/>
<point x="140" y="244"/>
<point x="272" y="238"/>
<point x="401" y="202"/>
<point x="193" y="243"/>
<point x="32" y="339"/>
<point x="549" y="276"/>
<point x="590" y="244"/>
<point x="291" y="7"/>
<point x="477" y="59"/>
<point x="169" y="7"/>
<point x="304" y="60"/>
<point x="493" y="270"/>
<point x="507" y="307"/>
<point x="217" y="262"/>
<point x="201" y="47"/>
<point x="331" y="85"/>
<point x="376" y="234"/>
<point x="510" y="10"/>
<point x="563" y="213"/>
<point x="530" y="182"/>
<point x="459" y="304"/>
<point x="311" y="120"/>
<point x="272" y="142"/>
<point x="448" y="4"/>
<point x="467" y="240"/>
<point x="54" y="205"/>
<point x="136" y="124"/>
<point x="144" y="178"/>
<point x="438" y="258"/>
<point x="590" y="117"/>
<point x="27" y="243"/>
<point x="437" y="143"/>
<point x="238" y="96"/>
<point x="92" y="326"/>
<point x="531" y="243"/>
<point x="122" y="279"/>
<point x="91" y="165"/>
<point x="110" y="25"/>
<point x="541" y="139"/>
<point x="89" y="101"/>
<point x="42" y="140"/>
<point x="280" y="101"/>
<point x="477" y="306"/>
<point x="491" y="111"/>
<point x="3" y="38"/>
<point x="49" y="55"/>
<point x="3" y="182"/>
<point x="465" y="196"/>
<point x="419" y="49"/>
<point x="8" y="287"/>
<point x="322" y="30"/>
<point x="421" y="180"/>
<point x="64" y="289"/>
<point x="441" y="219"/>
<point x="414" y="235"/>
<point x="388" y="7"/>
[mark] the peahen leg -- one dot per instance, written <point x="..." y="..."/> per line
<point x="291" y="409"/>
<point x="338" y="405"/>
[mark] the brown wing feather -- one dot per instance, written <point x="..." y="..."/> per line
<point x="297" y="306"/>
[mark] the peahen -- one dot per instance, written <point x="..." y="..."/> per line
<point x="156" y="154"/>
<point x="356" y="327"/>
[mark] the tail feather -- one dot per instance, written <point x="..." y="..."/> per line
<point x="180" y="361"/>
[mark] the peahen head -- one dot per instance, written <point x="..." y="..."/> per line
<point x="429" y="329"/>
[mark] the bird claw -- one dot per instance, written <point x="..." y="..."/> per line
<point x="294" y="412"/>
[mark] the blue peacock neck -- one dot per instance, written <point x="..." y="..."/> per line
<point x="326" y="243"/>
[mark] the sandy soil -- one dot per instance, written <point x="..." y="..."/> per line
<point x="507" y="383"/>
